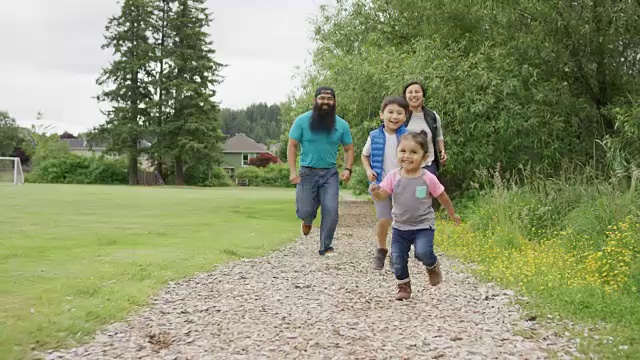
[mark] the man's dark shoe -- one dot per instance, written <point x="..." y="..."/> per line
<point x="328" y="252"/>
<point x="378" y="258"/>
<point x="306" y="229"/>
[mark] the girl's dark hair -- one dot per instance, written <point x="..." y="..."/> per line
<point x="421" y="138"/>
<point x="404" y="91"/>
<point x="397" y="100"/>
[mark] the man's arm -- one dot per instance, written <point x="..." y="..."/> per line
<point x="295" y="137"/>
<point x="349" y="155"/>
<point x="292" y="154"/>
<point x="349" y="152"/>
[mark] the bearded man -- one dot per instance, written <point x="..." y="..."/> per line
<point x="319" y="132"/>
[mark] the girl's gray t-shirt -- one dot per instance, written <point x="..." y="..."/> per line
<point x="412" y="199"/>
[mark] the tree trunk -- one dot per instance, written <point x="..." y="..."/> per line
<point x="179" y="171"/>
<point x="133" y="170"/>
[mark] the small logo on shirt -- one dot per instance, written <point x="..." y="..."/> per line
<point x="421" y="192"/>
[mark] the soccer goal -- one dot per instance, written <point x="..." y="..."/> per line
<point x="11" y="171"/>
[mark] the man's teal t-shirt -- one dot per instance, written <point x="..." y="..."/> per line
<point x="319" y="150"/>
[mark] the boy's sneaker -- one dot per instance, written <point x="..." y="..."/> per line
<point x="435" y="275"/>
<point x="306" y="229"/>
<point x="404" y="291"/>
<point x="379" y="257"/>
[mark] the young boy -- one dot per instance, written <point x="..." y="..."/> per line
<point x="379" y="158"/>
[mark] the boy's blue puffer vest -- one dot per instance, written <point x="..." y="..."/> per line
<point x="378" y="140"/>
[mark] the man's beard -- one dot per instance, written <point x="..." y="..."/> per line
<point x="323" y="120"/>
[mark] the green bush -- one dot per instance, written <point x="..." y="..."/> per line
<point x="359" y="183"/>
<point x="77" y="169"/>
<point x="252" y="174"/>
<point x="276" y="175"/>
<point x="520" y="236"/>
<point x="219" y="178"/>
<point x="539" y="210"/>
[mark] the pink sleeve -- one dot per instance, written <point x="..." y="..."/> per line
<point x="389" y="180"/>
<point x="435" y="187"/>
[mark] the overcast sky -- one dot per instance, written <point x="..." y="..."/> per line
<point x="50" y="55"/>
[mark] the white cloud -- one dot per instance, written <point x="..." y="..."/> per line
<point x="51" y="55"/>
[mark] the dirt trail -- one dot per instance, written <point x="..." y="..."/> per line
<point x="296" y="304"/>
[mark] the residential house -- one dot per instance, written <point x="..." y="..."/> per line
<point x="84" y="148"/>
<point x="237" y="151"/>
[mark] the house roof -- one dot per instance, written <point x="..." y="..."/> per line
<point x="81" y="144"/>
<point x="241" y="143"/>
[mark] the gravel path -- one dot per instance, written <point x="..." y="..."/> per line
<point x="296" y="304"/>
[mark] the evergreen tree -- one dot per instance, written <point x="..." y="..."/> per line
<point x="162" y="42"/>
<point x="191" y="130"/>
<point x="125" y="81"/>
<point x="260" y="121"/>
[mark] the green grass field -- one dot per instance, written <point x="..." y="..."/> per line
<point x="76" y="257"/>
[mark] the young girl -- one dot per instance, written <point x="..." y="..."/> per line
<point x="411" y="189"/>
<point x="379" y="157"/>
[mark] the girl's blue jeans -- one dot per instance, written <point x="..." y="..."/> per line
<point x="401" y="242"/>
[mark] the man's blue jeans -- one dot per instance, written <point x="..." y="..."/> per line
<point x="401" y="241"/>
<point x="319" y="188"/>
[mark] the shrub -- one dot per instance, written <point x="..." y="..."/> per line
<point x="201" y="174"/>
<point x="77" y="169"/>
<point x="219" y="178"/>
<point x="105" y="171"/>
<point x="272" y="175"/>
<point x="573" y="249"/>
<point x="595" y="221"/>
<point x="359" y="183"/>
<point x="263" y="160"/>
<point x="276" y="175"/>
<point x="252" y="174"/>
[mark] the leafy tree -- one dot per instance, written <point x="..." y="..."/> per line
<point x="516" y="83"/>
<point x="45" y="146"/>
<point x="125" y="82"/>
<point x="9" y="134"/>
<point x="12" y="139"/>
<point x="67" y="135"/>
